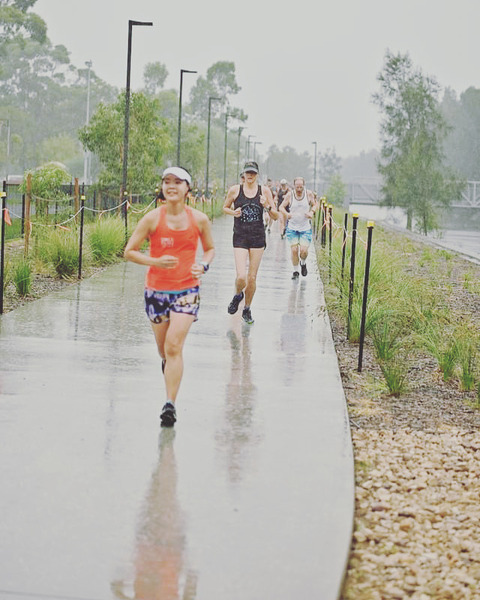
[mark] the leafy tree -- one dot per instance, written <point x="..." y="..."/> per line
<point x="41" y="94"/>
<point x="47" y="182"/>
<point x="412" y="134"/>
<point x="149" y="142"/>
<point x="220" y="82"/>
<point x="154" y="76"/>
<point x="462" y="144"/>
<point x="336" y="191"/>
<point x="329" y="164"/>
<point x="287" y="163"/>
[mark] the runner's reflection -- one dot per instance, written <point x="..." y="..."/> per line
<point x="238" y="436"/>
<point x="160" y="571"/>
<point x="293" y="329"/>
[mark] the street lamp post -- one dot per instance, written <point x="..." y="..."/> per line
<point x="225" y="153"/>
<point x="240" y="129"/>
<point x="315" y="168"/>
<point x="7" y="166"/>
<point x="182" y="71"/>
<point x="127" y="110"/>
<point x="86" y="155"/>
<point x="247" y="148"/>
<point x="210" y="100"/>
<point x="255" y="144"/>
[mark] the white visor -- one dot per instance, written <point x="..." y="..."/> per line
<point x="178" y="172"/>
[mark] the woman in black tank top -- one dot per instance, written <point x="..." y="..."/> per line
<point x="246" y="204"/>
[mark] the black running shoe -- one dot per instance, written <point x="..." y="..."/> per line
<point x="247" y="315"/>
<point x="304" y="269"/>
<point x="295" y="275"/>
<point x="233" y="306"/>
<point x="168" y="415"/>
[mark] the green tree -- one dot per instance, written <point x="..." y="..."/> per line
<point x="329" y="164"/>
<point x="149" y="142"/>
<point x="336" y="191"/>
<point x="462" y="144"/>
<point x="154" y="76"/>
<point x="220" y="82"/>
<point x="412" y="134"/>
<point x="287" y="163"/>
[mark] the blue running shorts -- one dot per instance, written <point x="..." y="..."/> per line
<point x="303" y="238"/>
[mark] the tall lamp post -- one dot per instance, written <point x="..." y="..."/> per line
<point x="255" y="144"/>
<point x="210" y="100"/>
<point x="86" y="155"/>
<point x="127" y="111"/>
<point x="247" y="148"/>
<point x="227" y="114"/>
<point x="315" y="168"/>
<point x="240" y="129"/>
<point x="182" y="71"/>
<point x="7" y="123"/>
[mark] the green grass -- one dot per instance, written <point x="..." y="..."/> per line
<point x="106" y="239"/>
<point x="408" y="312"/>
<point x="22" y="277"/>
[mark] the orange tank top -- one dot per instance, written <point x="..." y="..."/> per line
<point x="181" y="243"/>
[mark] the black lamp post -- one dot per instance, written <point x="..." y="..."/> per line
<point x="240" y="129"/>
<point x="210" y="100"/>
<point x="315" y="168"/>
<point x="247" y="149"/>
<point x="127" y="113"/>
<point x="227" y="114"/>
<point x="182" y="71"/>
<point x="255" y="144"/>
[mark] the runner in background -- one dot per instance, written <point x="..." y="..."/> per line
<point x="298" y="207"/>
<point x="282" y="192"/>
<point x="246" y="203"/>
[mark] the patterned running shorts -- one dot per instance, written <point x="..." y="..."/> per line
<point x="158" y="305"/>
<point x="303" y="238"/>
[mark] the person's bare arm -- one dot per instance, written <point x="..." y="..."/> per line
<point x="266" y="200"/>
<point x="232" y="194"/>
<point x="206" y="239"/>
<point x="284" y="204"/>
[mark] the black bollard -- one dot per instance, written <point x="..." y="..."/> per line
<point x="352" y="272"/>
<point x="80" y="253"/>
<point x="344" y="249"/>
<point x="365" y="293"/>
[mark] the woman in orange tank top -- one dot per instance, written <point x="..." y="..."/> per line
<point x="172" y="282"/>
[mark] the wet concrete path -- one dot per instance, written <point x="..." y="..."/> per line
<point x="249" y="498"/>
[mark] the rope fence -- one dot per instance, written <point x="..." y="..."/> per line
<point x="325" y="224"/>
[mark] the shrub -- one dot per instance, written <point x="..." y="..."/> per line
<point x="22" y="278"/>
<point x="107" y="239"/>
<point x="62" y="251"/>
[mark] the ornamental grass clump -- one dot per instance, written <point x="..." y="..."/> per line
<point x="107" y="240"/>
<point x="61" y="249"/>
<point x="22" y="277"/>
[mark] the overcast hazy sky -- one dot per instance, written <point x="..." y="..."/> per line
<point x="307" y="68"/>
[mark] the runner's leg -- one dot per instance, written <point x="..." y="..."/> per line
<point x="173" y="342"/>
<point x="241" y="257"/>
<point x="255" y="255"/>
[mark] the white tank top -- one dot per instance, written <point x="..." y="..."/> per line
<point x="298" y="209"/>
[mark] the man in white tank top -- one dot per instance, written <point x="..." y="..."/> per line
<point x="302" y="206"/>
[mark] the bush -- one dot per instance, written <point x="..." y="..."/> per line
<point x="22" y="278"/>
<point x="62" y="251"/>
<point x="107" y="240"/>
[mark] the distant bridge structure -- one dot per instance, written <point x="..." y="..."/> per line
<point x="369" y="191"/>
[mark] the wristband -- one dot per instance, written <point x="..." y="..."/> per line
<point x="205" y="266"/>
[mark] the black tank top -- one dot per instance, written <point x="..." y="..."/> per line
<point x="252" y="211"/>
